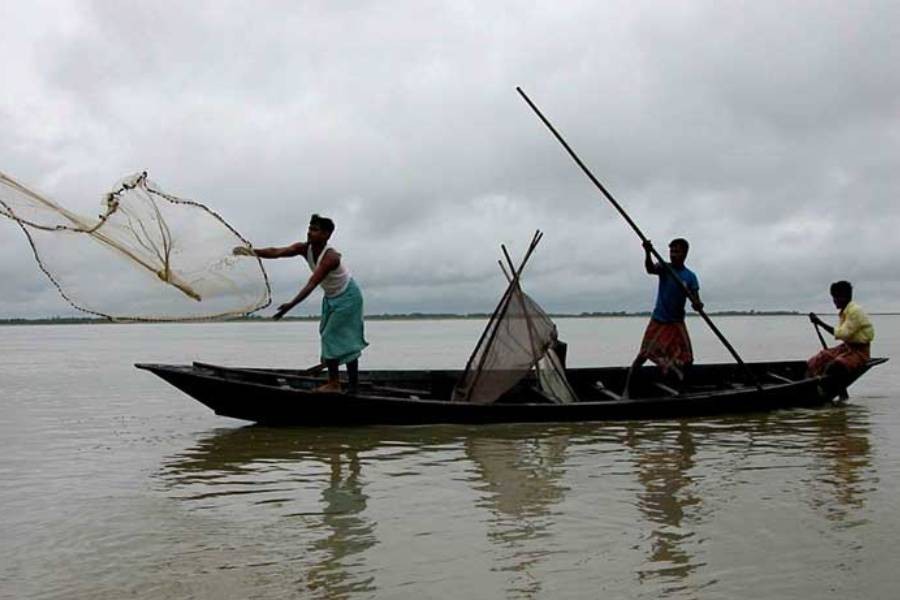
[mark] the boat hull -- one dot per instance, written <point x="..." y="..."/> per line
<point x="286" y="398"/>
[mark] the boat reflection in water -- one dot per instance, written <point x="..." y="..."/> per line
<point x="519" y="472"/>
<point x="691" y="473"/>
<point x="347" y="532"/>
<point x="843" y="439"/>
<point x="663" y="459"/>
<point x="313" y="484"/>
<point x="662" y="508"/>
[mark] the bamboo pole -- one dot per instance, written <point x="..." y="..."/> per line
<point x="640" y="234"/>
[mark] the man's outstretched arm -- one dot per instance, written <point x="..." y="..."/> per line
<point x="297" y="249"/>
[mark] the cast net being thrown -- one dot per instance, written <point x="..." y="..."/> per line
<point x="148" y="256"/>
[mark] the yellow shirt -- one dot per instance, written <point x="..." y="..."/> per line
<point x="854" y="326"/>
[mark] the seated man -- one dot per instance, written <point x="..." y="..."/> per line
<point x="854" y="330"/>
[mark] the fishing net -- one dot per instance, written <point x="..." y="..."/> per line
<point x="552" y="375"/>
<point x="148" y="256"/>
<point x="520" y="337"/>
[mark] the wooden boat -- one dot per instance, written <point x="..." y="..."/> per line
<point x="282" y="397"/>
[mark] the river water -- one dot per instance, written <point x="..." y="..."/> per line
<point x="116" y="485"/>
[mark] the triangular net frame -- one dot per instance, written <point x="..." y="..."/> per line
<point x="182" y="249"/>
<point x="519" y="337"/>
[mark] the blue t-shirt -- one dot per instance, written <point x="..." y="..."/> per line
<point x="670" y="298"/>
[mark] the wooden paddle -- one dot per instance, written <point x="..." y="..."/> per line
<point x="640" y="234"/>
<point x="819" y="333"/>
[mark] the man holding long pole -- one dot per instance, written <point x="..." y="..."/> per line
<point x="749" y="374"/>
<point x="666" y="341"/>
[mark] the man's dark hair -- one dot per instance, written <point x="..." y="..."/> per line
<point x="841" y="289"/>
<point x="680" y="242"/>
<point x="323" y="223"/>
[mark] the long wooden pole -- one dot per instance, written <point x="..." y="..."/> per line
<point x="639" y="233"/>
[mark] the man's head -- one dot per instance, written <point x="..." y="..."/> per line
<point x="841" y="294"/>
<point x="320" y="229"/>
<point x="678" y="250"/>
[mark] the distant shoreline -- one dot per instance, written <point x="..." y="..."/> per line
<point x="422" y="317"/>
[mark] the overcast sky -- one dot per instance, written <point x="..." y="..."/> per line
<point x="767" y="133"/>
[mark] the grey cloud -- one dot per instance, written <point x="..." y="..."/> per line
<point x="766" y="133"/>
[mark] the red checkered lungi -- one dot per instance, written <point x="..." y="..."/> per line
<point x="667" y="344"/>
<point x="851" y="356"/>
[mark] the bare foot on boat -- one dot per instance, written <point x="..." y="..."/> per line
<point x="329" y="388"/>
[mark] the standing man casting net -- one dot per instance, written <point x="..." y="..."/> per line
<point x="341" y="326"/>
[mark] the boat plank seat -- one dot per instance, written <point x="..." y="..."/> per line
<point x="599" y="387"/>
<point x="736" y="385"/>
<point x="667" y="389"/>
<point x="394" y="390"/>
<point x="778" y="377"/>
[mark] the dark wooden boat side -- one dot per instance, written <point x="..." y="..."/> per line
<point x="284" y="397"/>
